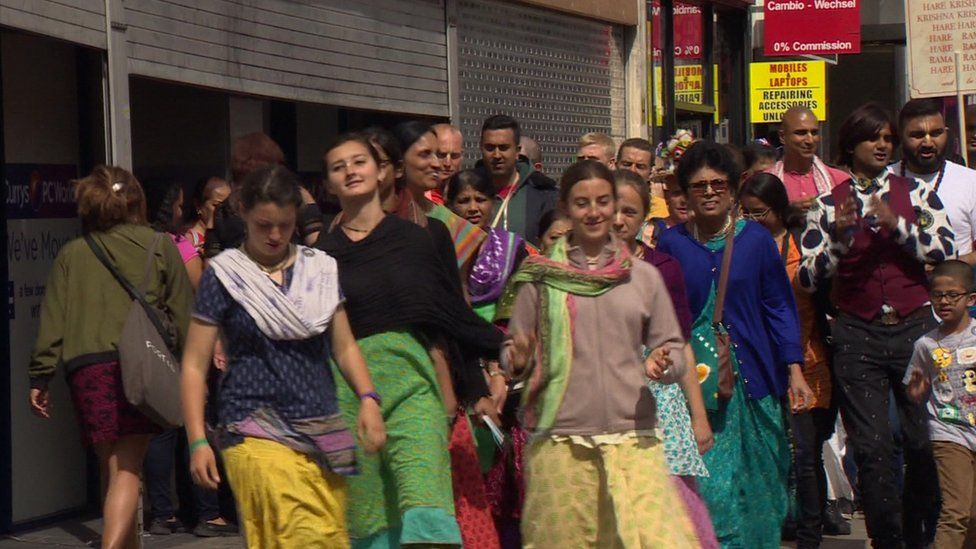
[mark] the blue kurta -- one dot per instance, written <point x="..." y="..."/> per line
<point x="760" y="309"/>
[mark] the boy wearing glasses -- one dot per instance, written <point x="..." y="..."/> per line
<point x="924" y="140"/>
<point x="944" y="362"/>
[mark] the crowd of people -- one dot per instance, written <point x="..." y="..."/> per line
<point x="651" y="351"/>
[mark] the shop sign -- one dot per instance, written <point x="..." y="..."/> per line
<point x="689" y="83"/>
<point x="688" y="33"/>
<point x="811" y="27"/>
<point x="775" y="87"/>
<point x="937" y="29"/>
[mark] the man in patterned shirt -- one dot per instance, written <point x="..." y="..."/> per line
<point x="873" y="236"/>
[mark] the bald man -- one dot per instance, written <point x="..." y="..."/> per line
<point x="450" y="149"/>
<point x="971" y="135"/>
<point x="529" y="148"/>
<point x="803" y="173"/>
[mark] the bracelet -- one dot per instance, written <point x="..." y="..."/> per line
<point x="198" y="443"/>
<point x="373" y="395"/>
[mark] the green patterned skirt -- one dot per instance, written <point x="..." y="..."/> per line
<point x="748" y="468"/>
<point x="403" y="494"/>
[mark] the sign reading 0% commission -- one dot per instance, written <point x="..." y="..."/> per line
<point x="811" y="27"/>
<point x="775" y="87"/>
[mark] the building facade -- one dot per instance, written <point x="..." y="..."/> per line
<point x="164" y="87"/>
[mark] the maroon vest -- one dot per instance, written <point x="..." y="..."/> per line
<point x="877" y="270"/>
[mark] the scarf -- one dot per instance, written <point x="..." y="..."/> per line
<point x="494" y="265"/>
<point x="559" y="282"/>
<point x="466" y="236"/>
<point x="821" y="177"/>
<point x="302" y="310"/>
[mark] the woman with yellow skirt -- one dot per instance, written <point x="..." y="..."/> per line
<point x="284" y="442"/>
<point x="580" y="317"/>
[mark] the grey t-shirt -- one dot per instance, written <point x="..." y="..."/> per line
<point x="950" y="364"/>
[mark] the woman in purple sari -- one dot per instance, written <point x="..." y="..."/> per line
<point x="471" y="195"/>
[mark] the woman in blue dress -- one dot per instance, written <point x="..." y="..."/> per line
<point x="748" y="465"/>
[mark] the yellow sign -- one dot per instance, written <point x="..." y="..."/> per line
<point x="775" y="87"/>
<point x="688" y="86"/>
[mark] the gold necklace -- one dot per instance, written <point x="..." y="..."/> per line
<point x="271" y="269"/>
<point x="355" y="230"/>
<point x="695" y="233"/>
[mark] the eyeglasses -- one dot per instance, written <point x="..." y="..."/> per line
<point x="717" y="186"/>
<point x="755" y="215"/>
<point x="951" y="297"/>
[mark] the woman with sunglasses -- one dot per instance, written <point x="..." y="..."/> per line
<point x="763" y="199"/>
<point x="749" y="463"/>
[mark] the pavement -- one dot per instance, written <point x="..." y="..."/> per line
<point x="78" y="533"/>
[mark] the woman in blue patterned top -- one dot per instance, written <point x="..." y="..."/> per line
<point x="283" y="440"/>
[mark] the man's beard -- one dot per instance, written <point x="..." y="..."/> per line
<point x="927" y="165"/>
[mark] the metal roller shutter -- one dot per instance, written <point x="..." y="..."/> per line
<point x="559" y="75"/>
<point x="387" y="55"/>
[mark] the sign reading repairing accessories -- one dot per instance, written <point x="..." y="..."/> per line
<point x="775" y="87"/>
<point x="811" y="27"/>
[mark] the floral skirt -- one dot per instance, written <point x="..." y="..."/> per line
<point x="104" y="415"/>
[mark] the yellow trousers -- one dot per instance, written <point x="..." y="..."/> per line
<point x="284" y="498"/>
<point x="605" y="495"/>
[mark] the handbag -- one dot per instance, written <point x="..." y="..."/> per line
<point x="150" y="371"/>
<point x="723" y="343"/>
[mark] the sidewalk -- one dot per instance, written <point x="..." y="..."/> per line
<point x="77" y="533"/>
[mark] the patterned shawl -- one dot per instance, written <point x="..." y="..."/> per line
<point x="559" y="282"/>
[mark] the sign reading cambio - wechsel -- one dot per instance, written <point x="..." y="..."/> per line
<point x="936" y="29"/>
<point x="775" y="87"/>
<point x="811" y="27"/>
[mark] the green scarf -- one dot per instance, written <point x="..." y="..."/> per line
<point x="559" y="282"/>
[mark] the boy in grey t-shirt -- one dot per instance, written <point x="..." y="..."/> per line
<point x="945" y="362"/>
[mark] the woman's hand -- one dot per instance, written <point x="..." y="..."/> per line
<point x="801" y="396"/>
<point x="520" y="350"/>
<point x="485" y="406"/>
<point x="703" y="434"/>
<point x="370" y="427"/>
<point x="40" y="403"/>
<point x="203" y="468"/>
<point x="498" y="386"/>
<point x="657" y="363"/>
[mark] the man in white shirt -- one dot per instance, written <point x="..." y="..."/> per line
<point x="924" y="137"/>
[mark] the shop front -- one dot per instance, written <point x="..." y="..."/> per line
<point x="697" y="64"/>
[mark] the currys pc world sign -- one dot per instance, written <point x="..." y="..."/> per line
<point x="811" y="27"/>
<point x="35" y="191"/>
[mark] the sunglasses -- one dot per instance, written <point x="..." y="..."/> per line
<point x="716" y="186"/>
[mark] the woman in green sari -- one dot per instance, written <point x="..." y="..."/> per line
<point x="748" y="466"/>
<point x="399" y="299"/>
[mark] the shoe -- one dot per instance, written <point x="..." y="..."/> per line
<point x="206" y="529"/>
<point x="788" y="531"/>
<point x="834" y="524"/>
<point x="160" y="527"/>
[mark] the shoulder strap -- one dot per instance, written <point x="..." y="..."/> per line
<point x="130" y="289"/>
<point x="723" y="277"/>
